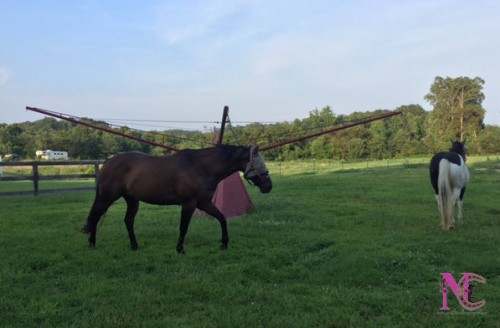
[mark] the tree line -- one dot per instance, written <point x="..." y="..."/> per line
<point x="457" y="115"/>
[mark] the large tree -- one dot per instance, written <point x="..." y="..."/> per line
<point x="458" y="112"/>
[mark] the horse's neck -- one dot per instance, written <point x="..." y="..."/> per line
<point x="461" y="155"/>
<point x="459" y="150"/>
<point x="224" y="167"/>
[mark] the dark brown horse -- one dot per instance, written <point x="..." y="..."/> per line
<point x="188" y="178"/>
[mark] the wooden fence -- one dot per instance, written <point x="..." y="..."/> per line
<point x="36" y="177"/>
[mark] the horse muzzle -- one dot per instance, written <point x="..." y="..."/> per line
<point x="263" y="180"/>
<point x="265" y="185"/>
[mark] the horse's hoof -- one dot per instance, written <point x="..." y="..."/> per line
<point x="180" y="250"/>
<point x="135" y="247"/>
<point x="223" y="247"/>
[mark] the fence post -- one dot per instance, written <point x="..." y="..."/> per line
<point x="35" y="179"/>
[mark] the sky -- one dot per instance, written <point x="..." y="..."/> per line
<point x="270" y="61"/>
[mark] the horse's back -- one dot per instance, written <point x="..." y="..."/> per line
<point x="453" y="158"/>
<point x="160" y="180"/>
<point x="122" y="163"/>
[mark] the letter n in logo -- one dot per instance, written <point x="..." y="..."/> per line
<point x="461" y="290"/>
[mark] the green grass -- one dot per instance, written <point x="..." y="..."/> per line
<point x="27" y="186"/>
<point x="358" y="248"/>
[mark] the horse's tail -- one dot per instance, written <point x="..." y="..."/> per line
<point x="445" y="193"/>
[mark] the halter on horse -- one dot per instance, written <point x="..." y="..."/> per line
<point x="188" y="178"/>
<point x="449" y="177"/>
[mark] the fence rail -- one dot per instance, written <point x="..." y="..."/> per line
<point x="36" y="177"/>
<point x="315" y="166"/>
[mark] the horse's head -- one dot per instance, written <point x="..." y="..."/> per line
<point x="256" y="171"/>
<point x="459" y="148"/>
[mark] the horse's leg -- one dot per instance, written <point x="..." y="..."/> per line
<point x="212" y="210"/>
<point x="132" y="208"/>
<point x="455" y="201"/>
<point x="438" y="200"/>
<point x="98" y="209"/>
<point x="186" y="214"/>
<point x="461" y="205"/>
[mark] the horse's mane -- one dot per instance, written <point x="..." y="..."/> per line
<point x="226" y="152"/>
<point x="219" y="150"/>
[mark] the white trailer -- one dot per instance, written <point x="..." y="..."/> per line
<point x="52" y="154"/>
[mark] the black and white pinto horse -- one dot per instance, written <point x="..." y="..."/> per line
<point x="449" y="177"/>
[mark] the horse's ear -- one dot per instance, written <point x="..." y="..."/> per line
<point x="255" y="149"/>
<point x="465" y="139"/>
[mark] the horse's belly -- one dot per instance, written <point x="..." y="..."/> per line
<point x="155" y="198"/>
<point x="158" y="199"/>
<point x="158" y="192"/>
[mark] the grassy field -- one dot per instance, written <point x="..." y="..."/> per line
<point x="357" y="248"/>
